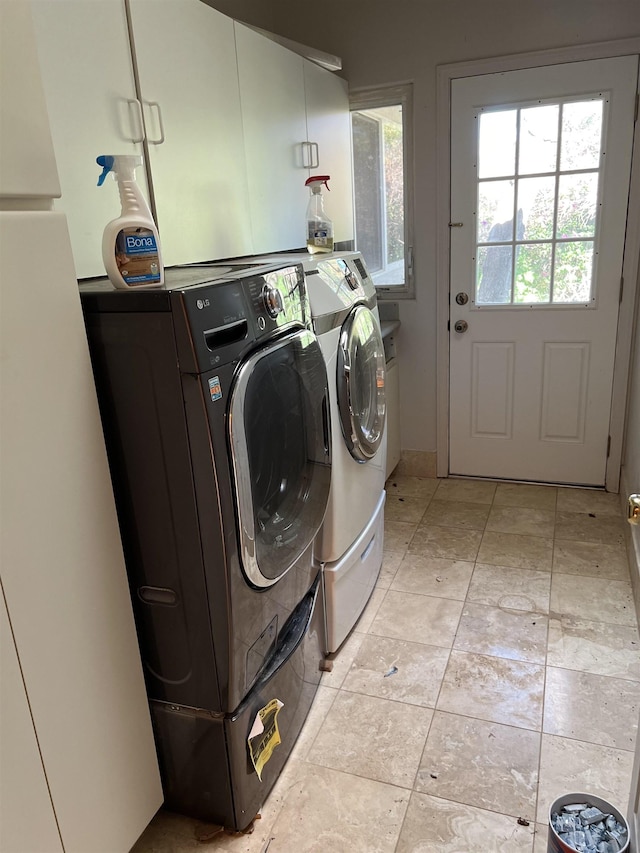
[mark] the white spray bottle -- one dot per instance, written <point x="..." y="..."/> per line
<point x="130" y="244"/>
<point x="319" y="226"/>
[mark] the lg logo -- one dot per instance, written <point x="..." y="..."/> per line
<point x="202" y="303"/>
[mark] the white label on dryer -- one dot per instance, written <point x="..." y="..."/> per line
<point x="215" y="389"/>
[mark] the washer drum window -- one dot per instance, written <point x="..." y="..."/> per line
<point x="361" y="384"/>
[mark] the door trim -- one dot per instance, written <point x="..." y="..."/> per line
<point x="631" y="264"/>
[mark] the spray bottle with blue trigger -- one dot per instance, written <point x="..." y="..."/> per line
<point x="130" y="243"/>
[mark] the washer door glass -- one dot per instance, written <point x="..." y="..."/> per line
<point x="361" y="381"/>
<point x="279" y="437"/>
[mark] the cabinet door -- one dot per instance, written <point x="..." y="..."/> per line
<point x="27" y="821"/>
<point x="27" y="162"/>
<point x="329" y="127"/>
<point x="186" y="61"/>
<point x="63" y="573"/>
<point x="87" y="76"/>
<point x="274" y="120"/>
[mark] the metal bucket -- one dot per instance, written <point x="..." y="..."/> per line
<point x="556" y="845"/>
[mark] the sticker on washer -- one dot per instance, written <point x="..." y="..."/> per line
<point x="264" y="735"/>
<point x="215" y="389"/>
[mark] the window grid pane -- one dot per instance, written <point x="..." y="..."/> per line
<point x="552" y="198"/>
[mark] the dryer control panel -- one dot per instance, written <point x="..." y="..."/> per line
<point x="226" y="318"/>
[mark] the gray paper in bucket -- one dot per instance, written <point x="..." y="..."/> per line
<point x="555" y="844"/>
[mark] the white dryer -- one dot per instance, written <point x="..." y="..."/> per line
<point x="349" y="545"/>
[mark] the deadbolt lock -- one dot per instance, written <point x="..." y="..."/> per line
<point x="461" y="326"/>
<point x="462" y="298"/>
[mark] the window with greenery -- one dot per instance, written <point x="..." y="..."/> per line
<point x="538" y="202"/>
<point x="381" y="134"/>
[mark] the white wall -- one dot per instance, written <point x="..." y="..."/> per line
<point x="383" y="42"/>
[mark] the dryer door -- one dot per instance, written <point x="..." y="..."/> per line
<point x="361" y="379"/>
<point x="280" y="450"/>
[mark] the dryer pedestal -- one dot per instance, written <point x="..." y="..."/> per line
<point x="349" y="582"/>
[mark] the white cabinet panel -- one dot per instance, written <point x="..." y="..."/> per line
<point x="27" y="163"/>
<point x="186" y="62"/>
<point x="63" y="570"/>
<point x="88" y="79"/>
<point x="328" y="125"/>
<point x="274" y="120"/>
<point x="27" y="821"/>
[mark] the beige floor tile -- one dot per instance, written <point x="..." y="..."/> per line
<point x="523" y="521"/>
<point x="510" y="634"/>
<point x="434" y="825"/>
<point x="342" y="659"/>
<point x="525" y="495"/>
<point x="494" y="689"/>
<point x="481" y="764"/>
<point x="390" y="564"/>
<point x="570" y="765"/>
<point x="591" y="558"/>
<point x="417" y="618"/>
<point x="397" y="535"/>
<point x="446" y="542"/>
<point x="408" y="509"/>
<point x="513" y="589"/>
<point x="420" y="670"/>
<point x="332" y="811"/>
<point x="433" y="576"/>
<point x="372" y="737"/>
<point x="520" y="552"/>
<point x="541" y="838"/>
<point x="593" y="599"/>
<point x="589" y="528"/>
<point x="589" y="500"/>
<point x="470" y="516"/>
<point x="593" y="708"/>
<point x="465" y="491"/>
<point x="597" y="647"/>
<point x="324" y="699"/>
<point x="407" y="486"/>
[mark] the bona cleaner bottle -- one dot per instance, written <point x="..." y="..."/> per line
<point x="130" y="244"/>
<point x="319" y="226"/>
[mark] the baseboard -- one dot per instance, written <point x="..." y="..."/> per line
<point x="416" y="463"/>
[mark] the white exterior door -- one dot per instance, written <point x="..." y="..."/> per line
<point x="540" y="162"/>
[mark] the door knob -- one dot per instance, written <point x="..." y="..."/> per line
<point x="461" y="326"/>
<point x="634" y="509"/>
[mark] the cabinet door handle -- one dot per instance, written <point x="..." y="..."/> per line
<point x="139" y="122"/>
<point x="307" y="158"/>
<point x="160" y="140"/>
<point x="315" y="163"/>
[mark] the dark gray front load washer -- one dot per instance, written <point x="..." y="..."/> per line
<point x="213" y="396"/>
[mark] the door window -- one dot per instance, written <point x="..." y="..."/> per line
<point x="538" y="180"/>
<point x="361" y="384"/>
<point x="280" y="454"/>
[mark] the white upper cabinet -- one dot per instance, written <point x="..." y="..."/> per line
<point x="274" y="119"/>
<point x="27" y="162"/>
<point x="89" y="86"/>
<point x="329" y="132"/>
<point x="186" y="59"/>
<point x="227" y="119"/>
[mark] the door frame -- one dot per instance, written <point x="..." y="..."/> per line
<point x="631" y="263"/>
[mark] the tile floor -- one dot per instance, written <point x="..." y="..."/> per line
<point x="508" y="612"/>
